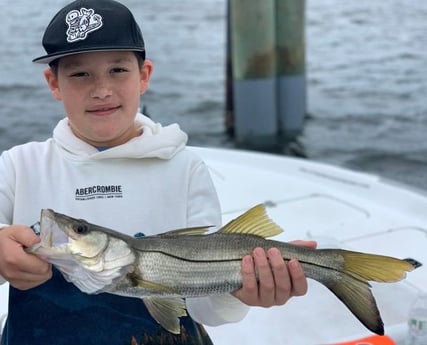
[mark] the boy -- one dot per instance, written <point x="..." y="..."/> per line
<point x="114" y="167"/>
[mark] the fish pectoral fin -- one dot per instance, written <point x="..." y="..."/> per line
<point x="166" y="311"/>
<point x="149" y="286"/>
<point x="199" y="230"/>
<point x="253" y="222"/>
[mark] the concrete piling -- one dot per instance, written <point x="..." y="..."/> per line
<point x="265" y="71"/>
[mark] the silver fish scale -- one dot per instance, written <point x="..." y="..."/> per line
<point x="200" y="247"/>
<point x="225" y="247"/>
<point x="193" y="266"/>
<point x="188" y="279"/>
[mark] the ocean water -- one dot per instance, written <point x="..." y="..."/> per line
<point x="366" y="78"/>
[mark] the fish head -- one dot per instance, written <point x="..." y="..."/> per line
<point x="90" y="256"/>
<point x="71" y="235"/>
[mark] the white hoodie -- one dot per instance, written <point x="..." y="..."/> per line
<point x="148" y="185"/>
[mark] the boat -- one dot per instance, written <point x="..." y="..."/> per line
<point x="337" y="207"/>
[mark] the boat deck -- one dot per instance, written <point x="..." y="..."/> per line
<point x="338" y="208"/>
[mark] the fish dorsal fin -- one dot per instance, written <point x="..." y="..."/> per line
<point x="166" y="311"/>
<point x="200" y="230"/>
<point x="253" y="222"/>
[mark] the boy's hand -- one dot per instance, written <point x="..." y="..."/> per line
<point x="22" y="270"/>
<point x="278" y="281"/>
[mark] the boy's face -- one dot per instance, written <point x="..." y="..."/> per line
<point x="100" y="92"/>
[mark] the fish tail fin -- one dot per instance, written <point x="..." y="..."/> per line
<point x="378" y="268"/>
<point x="355" y="291"/>
<point x="351" y="285"/>
<point x="357" y="296"/>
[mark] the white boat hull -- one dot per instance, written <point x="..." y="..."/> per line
<point x="338" y="208"/>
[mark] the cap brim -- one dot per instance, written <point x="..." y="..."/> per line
<point x="51" y="57"/>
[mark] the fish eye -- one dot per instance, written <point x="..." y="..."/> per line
<point x="81" y="229"/>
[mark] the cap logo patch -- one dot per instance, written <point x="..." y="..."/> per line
<point x="82" y="22"/>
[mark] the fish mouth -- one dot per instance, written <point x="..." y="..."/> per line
<point x="53" y="234"/>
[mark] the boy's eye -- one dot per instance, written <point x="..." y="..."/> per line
<point x="118" y="70"/>
<point x="79" y="74"/>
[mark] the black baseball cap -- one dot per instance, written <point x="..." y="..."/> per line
<point x="91" y="25"/>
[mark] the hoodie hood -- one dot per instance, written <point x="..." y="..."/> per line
<point x="155" y="141"/>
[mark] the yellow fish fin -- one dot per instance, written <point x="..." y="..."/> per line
<point x="253" y="222"/>
<point x="200" y="230"/>
<point x="376" y="268"/>
<point x="136" y="281"/>
<point x="357" y="296"/>
<point x="166" y="311"/>
<point x="352" y="271"/>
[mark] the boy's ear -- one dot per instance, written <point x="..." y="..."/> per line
<point x="52" y="82"/>
<point x="146" y="71"/>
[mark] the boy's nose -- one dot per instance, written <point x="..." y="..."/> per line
<point x="101" y="89"/>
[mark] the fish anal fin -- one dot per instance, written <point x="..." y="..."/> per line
<point x="255" y="222"/>
<point x="166" y="311"/>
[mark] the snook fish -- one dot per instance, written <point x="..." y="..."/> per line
<point x="166" y="268"/>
